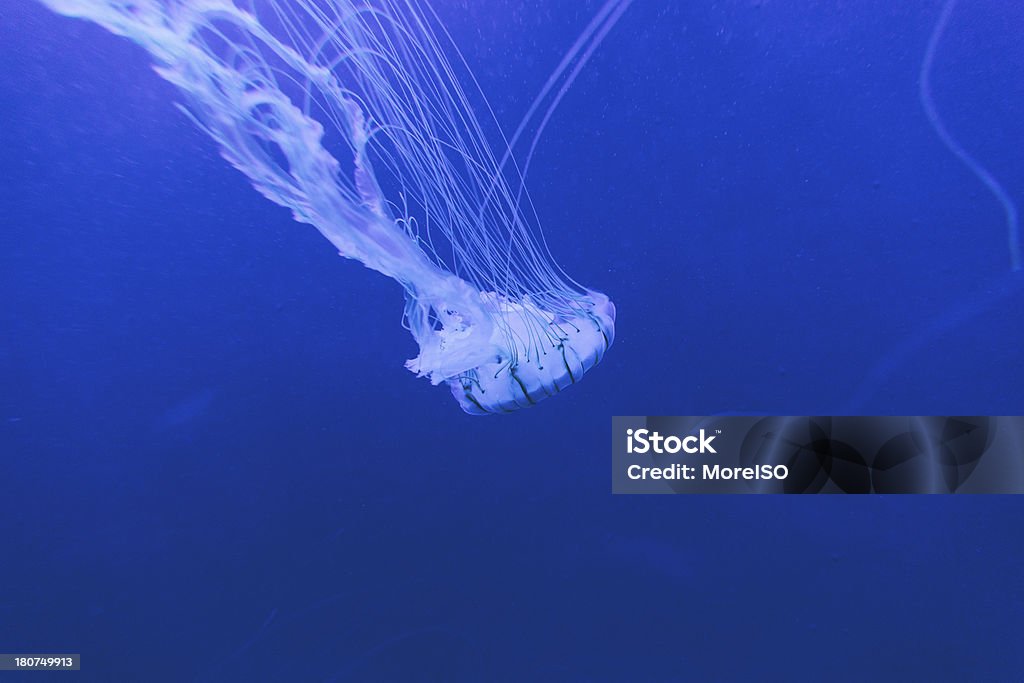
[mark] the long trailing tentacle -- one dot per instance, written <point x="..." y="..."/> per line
<point x="979" y="171"/>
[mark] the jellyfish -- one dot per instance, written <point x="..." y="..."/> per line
<point x="349" y="114"/>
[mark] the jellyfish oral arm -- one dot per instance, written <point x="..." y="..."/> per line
<point x="445" y="314"/>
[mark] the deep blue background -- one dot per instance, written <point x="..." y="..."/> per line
<point x="213" y="466"/>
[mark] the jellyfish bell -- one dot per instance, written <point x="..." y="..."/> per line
<point x="349" y="113"/>
<point x="499" y="354"/>
<point x="535" y="353"/>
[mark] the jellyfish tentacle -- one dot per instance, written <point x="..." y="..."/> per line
<point x="979" y="171"/>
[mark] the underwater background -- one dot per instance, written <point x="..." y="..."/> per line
<point x="214" y="466"/>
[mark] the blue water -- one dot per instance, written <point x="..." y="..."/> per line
<point x="213" y="466"/>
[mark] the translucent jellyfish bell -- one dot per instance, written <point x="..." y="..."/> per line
<point x="349" y="114"/>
